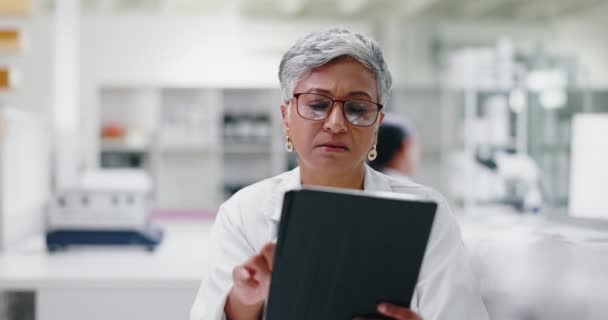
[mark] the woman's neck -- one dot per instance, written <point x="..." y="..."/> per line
<point x="353" y="179"/>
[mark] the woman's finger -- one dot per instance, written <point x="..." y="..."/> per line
<point x="259" y="268"/>
<point x="397" y="312"/>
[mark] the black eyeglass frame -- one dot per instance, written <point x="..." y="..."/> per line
<point x="380" y="106"/>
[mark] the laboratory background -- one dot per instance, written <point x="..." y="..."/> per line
<point x="124" y="124"/>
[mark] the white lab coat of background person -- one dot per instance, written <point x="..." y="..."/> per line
<point x="446" y="288"/>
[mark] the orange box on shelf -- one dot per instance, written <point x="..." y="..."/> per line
<point x="14" y="7"/>
<point x="10" y="40"/>
<point x="5" y="79"/>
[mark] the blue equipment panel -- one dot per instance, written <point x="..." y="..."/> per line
<point x="149" y="238"/>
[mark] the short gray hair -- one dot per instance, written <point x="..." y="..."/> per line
<point x="319" y="48"/>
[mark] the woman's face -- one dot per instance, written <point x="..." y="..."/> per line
<point x="333" y="144"/>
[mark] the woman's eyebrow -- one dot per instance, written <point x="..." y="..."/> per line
<point x="319" y="90"/>
<point x="329" y="93"/>
<point x="359" y="93"/>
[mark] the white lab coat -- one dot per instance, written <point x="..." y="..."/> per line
<point x="249" y="219"/>
<point x="397" y="174"/>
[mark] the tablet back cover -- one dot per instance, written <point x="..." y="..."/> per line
<point x="339" y="254"/>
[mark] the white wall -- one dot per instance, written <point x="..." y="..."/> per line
<point x="34" y="64"/>
<point x="585" y="40"/>
<point x="25" y="142"/>
<point x="231" y="51"/>
<point x="24" y="175"/>
<point x="584" y="33"/>
<point x="413" y="48"/>
<point x="185" y="51"/>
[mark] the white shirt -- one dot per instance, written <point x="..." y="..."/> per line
<point x="249" y="219"/>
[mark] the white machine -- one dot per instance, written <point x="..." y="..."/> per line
<point x="497" y="175"/>
<point x="109" y="207"/>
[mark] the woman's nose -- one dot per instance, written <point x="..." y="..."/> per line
<point x="335" y="121"/>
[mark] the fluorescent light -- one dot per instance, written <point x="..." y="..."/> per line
<point x="540" y="80"/>
<point x="553" y="98"/>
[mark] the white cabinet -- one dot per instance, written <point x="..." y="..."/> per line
<point x="188" y="168"/>
<point x="251" y="137"/>
<point x="200" y="144"/>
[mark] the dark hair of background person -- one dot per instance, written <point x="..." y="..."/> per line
<point x="390" y="141"/>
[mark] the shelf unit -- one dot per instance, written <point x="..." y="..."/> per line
<point x="135" y="110"/>
<point x="251" y="137"/>
<point x="12" y="34"/>
<point x="200" y="145"/>
<point x="14" y="7"/>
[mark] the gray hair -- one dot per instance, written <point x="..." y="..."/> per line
<point x="319" y="48"/>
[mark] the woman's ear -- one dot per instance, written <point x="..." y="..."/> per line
<point x="378" y="123"/>
<point x="285" y="117"/>
<point x="380" y="118"/>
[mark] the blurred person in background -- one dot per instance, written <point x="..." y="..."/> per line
<point x="334" y="84"/>
<point x="398" y="148"/>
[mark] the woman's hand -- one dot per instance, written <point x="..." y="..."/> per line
<point x="395" y="312"/>
<point x="251" y="284"/>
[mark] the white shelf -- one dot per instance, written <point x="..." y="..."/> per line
<point x="188" y="149"/>
<point x="248" y="149"/>
<point x="117" y="146"/>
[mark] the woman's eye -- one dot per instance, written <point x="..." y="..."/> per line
<point x="358" y="109"/>
<point x="318" y="106"/>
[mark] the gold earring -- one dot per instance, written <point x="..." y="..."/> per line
<point x="372" y="154"/>
<point x="288" y="144"/>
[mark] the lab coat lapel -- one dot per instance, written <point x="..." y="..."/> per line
<point x="375" y="181"/>
<point x="290" y="181"/>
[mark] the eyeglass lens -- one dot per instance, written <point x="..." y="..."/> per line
<point x="317" y="107"/>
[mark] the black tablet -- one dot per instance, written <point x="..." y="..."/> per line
<point x="339" y="253"/>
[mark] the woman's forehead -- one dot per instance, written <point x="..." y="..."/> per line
<point x="345" y="77"/>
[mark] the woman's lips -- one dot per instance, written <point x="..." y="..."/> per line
<point x="333" y="148"/>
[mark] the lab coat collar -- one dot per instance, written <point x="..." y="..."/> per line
<point x="373" y="181"/>
<point x="398" y="174"/>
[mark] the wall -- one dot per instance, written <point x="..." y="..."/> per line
<point x="583" y="34"/>
<point x="24" y="175"/>
<point x="25" y="141"/>
<point x="34" y="64"/>
<point x="585" y="42"/>
<point x="227" y="50"/>
<point x="185" y="51"/>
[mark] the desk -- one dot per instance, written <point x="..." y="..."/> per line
<point x="538" y="267"/>
<point x="528" y="267"/>
<point x="112" y="283"/>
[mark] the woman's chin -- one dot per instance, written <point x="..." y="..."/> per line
<point x="332" y="163"/>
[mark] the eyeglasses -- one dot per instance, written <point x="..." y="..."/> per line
<point x="314" y="106"/>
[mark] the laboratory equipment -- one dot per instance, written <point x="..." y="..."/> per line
<point x="501" y="129"/>
<point x="109" y="207"/>
<point x="519" y="174"/>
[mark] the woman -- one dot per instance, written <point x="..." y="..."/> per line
<point x="398" y="150"/>
<point x="333" y="86"/>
